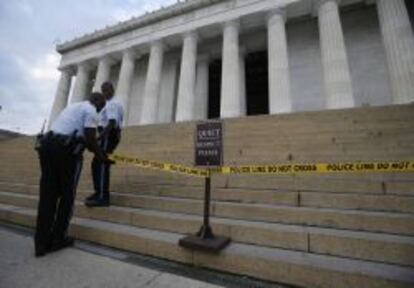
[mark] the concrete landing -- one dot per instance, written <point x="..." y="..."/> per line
<point x="73" y="268"/>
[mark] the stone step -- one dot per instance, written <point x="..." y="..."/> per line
<point x="402" y="184"/>
<point x="131" y="179"/>
<point x="135" y="179"/>
<point x="383" y="222"/>
<point x="273" y="264"/>
<point x="358" y="245"/>
<point x="19" y="188"/>
<point x="346" y="201"/>
<point x="390" y="203"/>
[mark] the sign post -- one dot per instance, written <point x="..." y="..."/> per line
<point x="208" y="153"/>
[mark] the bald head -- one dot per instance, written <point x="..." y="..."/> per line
<point x="107" y="90"/>
<point x="98" y="100"/>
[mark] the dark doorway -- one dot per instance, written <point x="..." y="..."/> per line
<point x="410" y="9"/>
<point x="257" y="89"/>
<point x="214" y="89"/>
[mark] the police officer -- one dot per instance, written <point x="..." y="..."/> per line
<point x="110" y="124"/>
<point x="60" y="153"/>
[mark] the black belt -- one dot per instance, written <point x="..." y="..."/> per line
<point x="62" y="139"/>
<point x="115" y="128"/>
<point x="51" y="136"/>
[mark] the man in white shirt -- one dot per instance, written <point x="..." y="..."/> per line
<point x="110" y="123"/>
<point x="60" y="154"/>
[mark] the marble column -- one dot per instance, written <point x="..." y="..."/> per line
<point x="167" y="99"/>
<point x="186" y="88"/>
<point x="230" y="102"/>
<point x="81" y="83"/>
<point x="201" y="90"/>
<point x="279" y="79"/>
<point x="61" y="96"/>
<point x="336" y="75"/>
<point x="398" y="41"/>
<point x="104" y="72"/>
<point x="152" y="84"/>
<point x="126" y="74"/>
<point x="242" y="65"/>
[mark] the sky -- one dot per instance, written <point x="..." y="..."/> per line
<point x="29" y="33"/>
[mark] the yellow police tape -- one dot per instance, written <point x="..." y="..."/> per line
<point x="174" y="168"/>
<point x="277" y="169"/>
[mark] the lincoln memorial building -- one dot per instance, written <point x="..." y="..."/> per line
<point x="313" y="105"/>
<point x="209" y="59"/>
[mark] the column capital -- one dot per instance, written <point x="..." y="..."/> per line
<point x="318" y="3"/>
<point x="235" y="23"/>
<point x="87" y="66"/>
<point x="275" y="13"/>
<point x="130" y="53"/>
<point x="158" y="44"/>
<point x="109" y="59"/>
<point x="190" y="33"/>
<point x="71" y="70"/>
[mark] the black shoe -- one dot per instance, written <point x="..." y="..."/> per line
<point x="91" y="197"/>
<point x="41" y="251"/>
<point x="97" y="203"/>
<point x="65" y="242"/>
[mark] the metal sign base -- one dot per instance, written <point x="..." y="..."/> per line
<point x="205" y="239"/>
<point x="214" y="244"/>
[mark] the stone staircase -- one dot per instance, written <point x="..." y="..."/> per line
<point x="342" y="230"/>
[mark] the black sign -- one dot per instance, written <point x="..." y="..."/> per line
<point x="209" y="144"/>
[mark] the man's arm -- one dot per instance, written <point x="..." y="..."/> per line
<point x="92" y="144"/>
<point x="111" y="125"/>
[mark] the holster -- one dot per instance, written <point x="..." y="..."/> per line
<point x="78" y="147"/>
<point x="38" y="142"/>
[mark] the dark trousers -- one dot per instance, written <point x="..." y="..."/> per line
<point x="60" y="171"/>
<point x="101" y="170"/>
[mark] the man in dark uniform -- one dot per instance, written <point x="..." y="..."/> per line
<point x="110" y="124"/>
<point x="60" y="153"/>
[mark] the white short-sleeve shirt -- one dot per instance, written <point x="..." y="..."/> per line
<point x="76" y="117"/>
<point x="112" y="111"/>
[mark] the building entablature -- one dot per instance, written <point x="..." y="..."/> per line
<point x="200" y="59"/>
<point x="207" y="20"/>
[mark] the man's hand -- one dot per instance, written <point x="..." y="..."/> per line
<point x="111" y="126"/>
<point x="106" y="159"/>
<point x="92" y="145"/>
<point x="100" y="137"/>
